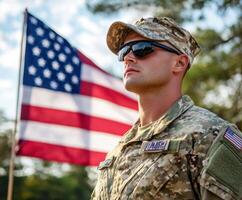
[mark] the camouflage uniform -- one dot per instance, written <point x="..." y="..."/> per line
<point x="188" y="153"/>
<point x="164" y="160"/>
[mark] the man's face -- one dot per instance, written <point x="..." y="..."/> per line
<point x="152" y="72"/>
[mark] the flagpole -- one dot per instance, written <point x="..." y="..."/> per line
<point x="13" y="134"/>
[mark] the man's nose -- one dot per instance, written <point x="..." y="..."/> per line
<point x="130" y="57"/>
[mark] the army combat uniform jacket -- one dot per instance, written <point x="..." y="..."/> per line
<point x="171" y="158"/>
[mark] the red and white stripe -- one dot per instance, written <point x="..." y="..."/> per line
<point x="78" y="129"/>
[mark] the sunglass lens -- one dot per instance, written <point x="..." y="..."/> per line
<point x="123" y="52"/>
<point x="142" y="49"/>
<point x="139" y="49"/>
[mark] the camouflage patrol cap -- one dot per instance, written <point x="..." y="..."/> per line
<point x="159" y="29"/>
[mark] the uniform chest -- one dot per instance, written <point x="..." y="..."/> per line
<point x="137" y="174"/>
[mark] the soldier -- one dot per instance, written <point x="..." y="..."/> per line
<point x="175" y="150"/>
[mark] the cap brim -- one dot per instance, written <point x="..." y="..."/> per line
<point x="117" y="33"/>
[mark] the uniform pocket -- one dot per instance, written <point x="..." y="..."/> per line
<point x="151" y="179"/>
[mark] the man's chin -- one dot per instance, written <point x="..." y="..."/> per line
<point x="131" y="87"/>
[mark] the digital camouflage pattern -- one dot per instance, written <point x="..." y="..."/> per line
<point x="159" y="29"/>
<point x="131" y="171"/>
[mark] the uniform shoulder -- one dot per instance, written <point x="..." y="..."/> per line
<point x="198" y="119"/>
<point x="202" y="112"/>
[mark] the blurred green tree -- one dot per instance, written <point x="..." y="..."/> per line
<point x="215" y="80"/>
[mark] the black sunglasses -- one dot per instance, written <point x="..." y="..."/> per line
<point x="141" y="48"/>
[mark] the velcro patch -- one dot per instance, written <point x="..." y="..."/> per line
<point x="233" y="138"/>
<point x="155" y="145"/>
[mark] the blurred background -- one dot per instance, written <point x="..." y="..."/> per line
<point x="214" y="81"/>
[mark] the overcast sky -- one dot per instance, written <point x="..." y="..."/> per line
<point x="72" y="20"/>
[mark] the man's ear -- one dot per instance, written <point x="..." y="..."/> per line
<point x="182" y="62"/>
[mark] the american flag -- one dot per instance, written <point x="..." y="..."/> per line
<point x="71" y="110"/>
<point x="233" y="138"/>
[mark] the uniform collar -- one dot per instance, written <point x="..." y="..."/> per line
<point x="175" y="111"/>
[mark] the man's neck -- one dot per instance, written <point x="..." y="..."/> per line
<point x="153" y="105"/>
